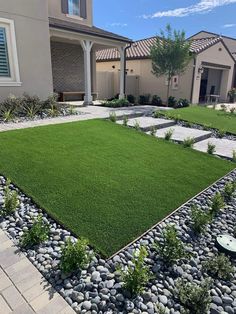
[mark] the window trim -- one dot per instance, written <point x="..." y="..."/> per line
<point x="14" y="79"/>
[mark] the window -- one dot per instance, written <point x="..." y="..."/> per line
<point x="9" y="68"/>
<point x="74" y="7"/>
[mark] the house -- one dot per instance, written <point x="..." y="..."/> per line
<point x="50" y="45"/>
<point x="211" y="71"/>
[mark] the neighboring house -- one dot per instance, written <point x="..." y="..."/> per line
<point x="211" y="71"/>
<point x="50" y="45"/>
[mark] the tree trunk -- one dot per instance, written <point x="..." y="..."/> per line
<point x="168" y="88"/>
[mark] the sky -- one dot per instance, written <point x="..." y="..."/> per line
<point x="137" y="19"/>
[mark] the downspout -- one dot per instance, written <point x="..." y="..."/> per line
<point x="193" y="79"/>
<point x="127" y="47"/>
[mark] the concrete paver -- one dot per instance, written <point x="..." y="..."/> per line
<point x="223" y="147"/>
<point x="145" y="123"/>
<point x="181" y="133"/>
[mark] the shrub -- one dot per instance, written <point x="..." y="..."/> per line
<point x="156" y="100"/>
<point x="137" y="126"/>
<point x="223" y="108"/>
<point x="194" y="298"/>
<point x="219" y="267"/>
<point x="137" y="276"/>
<point x="153" y="131"/>
<point x="221" y="133"/>
<point x="31" y="106"/>
<point x="11" y="200"/>
<point x="168" y="134"/>
<point x="37" y="234"/>
<point x="113" y="117"/>
<point x="229" y="191"/>
<point x="211" y="148"/>
<point x="232" y="110"/>
<point x="158" y="114"/>
<point x="199" y="219"/>
<point x="10" y="107"/>
<point x="172" y="102"/>
<point x="217" y="203"/>
<point x="171" y="248"/>
<point x="232" y="95"/>
<point x="182" y="103"/>
<point x="144" y="99"/>
<point x="116" y="103"/>
<point x="125" y="120"/>
<point x="131" y="99"/>
<point x="234" y="156"/>
<point x="74" y="255"/>
<point x="188" y="142"/>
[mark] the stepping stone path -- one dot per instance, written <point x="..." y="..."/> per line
<point x="223" y="147"/>
<point x="146" y="123"/>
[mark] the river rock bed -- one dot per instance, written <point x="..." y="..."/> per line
<point x="98" y="287"/>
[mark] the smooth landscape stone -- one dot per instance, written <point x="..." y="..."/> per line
<point x="146" y="123"/>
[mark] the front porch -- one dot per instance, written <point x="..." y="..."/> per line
<point x="74" y="63"/>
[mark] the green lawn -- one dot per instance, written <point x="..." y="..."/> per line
<point x="205" y="116"/>
<point x="104" y="181"/>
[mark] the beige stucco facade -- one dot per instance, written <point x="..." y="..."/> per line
<point x="188" y="84"/>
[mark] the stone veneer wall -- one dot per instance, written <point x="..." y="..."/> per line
<point x="67" y="67"/>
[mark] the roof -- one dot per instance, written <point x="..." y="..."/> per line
<point x="213" y="34"/>
<point x="234" y="55"/>
<point x="84" y="29"/>
<point x="141" y="49"/>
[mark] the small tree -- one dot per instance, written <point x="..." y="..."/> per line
<point x="170" y="54"/>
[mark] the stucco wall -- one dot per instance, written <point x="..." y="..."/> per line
<point x="67" y="67"/>
<point x="54" y="7"/>
<point x="33" y="46"/>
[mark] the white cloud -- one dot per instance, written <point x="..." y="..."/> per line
<point x="118" y="24"/>
<point x="229" y="25"/>
<point x="203" y="6"/>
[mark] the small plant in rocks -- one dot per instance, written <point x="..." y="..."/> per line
<point x="219" y="267"/>
<point x="158" y="114"/>
<point x="153" y="131"/>
<point x="234" y="156"/>
<point x="135" y="277"/>
<point x="221" y="133"/>
<point x="194" y="298"/>
<point x="229" y="191"/>
<point x="37" y="234"/>
<point x="188" y="142"/>
<point x="168" y="134"/>
<point x="171" y="249"/>
<point x="137" y="126"/>
<point x="11" y="200"/>
<point x="211" y="148"/>
<point x="112" y="117"/>
<point x="217" y="203"/>
<point x="125" y="121"/>
<point x="74" y="255"/>
<point x="199" y="219"/>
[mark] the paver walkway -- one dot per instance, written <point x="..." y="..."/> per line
<point x="223" y="147"/>
<point x="23" y="290"/>
<point x="85" y="113"/>
<point x="145" y="123"/>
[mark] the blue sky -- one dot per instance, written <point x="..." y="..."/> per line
<point x="138" y="19"/>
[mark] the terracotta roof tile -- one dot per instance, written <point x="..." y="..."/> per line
<point x="141" y="48"/>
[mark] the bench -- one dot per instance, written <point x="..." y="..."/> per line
<point x="64" y="95"/>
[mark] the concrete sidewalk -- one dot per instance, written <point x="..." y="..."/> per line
<point x="23" y="290"/>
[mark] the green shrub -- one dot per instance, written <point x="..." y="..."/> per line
<point x="171" y="249"/>
<point x="31" y="106"/>
<point x="131" y="99"/>
<point x="137" y="276"/>
<point x="158" y="114"/>
<point x="219" y="267"/>
<point x="229" y="191"/>
<point x="234" y="156"/>
<point x="182" y="103"/>
<point x="37" y="234"/>
<point x="144" y="99"/>
<point x="221" y="133"/>
<point x="217" y="203"/>
<point x="188" y="142"/>
<point x="156" y="101"/>
<point x="117" y="103"/>
<point x="194" y="298"/>
<point x="211" y="148"/>
<point x="168" y="134"/>
<point x="232" y="95"/>
<point x="125" y="121"/>
<point x="172" y="102"/>
<point x="11" y="200"/>
<point x="152" y="131"/>
<point x="113" y="117"/>
<point x="199" y="219"/>
<point x="74" y="255"/>
<point x="232" y="110"/>
<point x="137" y="126"/>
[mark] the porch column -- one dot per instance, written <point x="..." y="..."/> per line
<point x="122" y="72"/>
<point x="87" y="46"/>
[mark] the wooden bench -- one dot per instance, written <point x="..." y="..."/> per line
<point x="63" y="95"/>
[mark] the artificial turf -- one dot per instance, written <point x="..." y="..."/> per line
<point x="103" y="181"/>
<point x="206" y="117"/>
